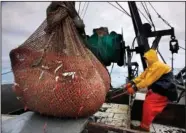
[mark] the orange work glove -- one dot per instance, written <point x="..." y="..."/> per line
<point x="128" y="85"/>
<point x="131" y="90"/>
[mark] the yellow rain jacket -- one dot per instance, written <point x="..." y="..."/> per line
<point x="153" y="72"/>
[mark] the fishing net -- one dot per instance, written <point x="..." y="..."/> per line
<point x="107" y="47"/>
<point x="55" y="74"/>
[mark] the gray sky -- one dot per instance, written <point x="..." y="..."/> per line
<point x="20" y="20"/>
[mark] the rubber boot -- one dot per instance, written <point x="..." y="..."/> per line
<point x="139" y="128"/>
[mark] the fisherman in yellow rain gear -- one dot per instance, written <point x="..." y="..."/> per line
<point x="158" y="78"/>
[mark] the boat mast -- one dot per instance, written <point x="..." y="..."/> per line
<point x="139" y="31"/>
<point x="142" y="34"/>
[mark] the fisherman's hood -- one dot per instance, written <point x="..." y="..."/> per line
<point x="151" y="56"/>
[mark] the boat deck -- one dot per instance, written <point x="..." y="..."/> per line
<point x="114" y="114"/>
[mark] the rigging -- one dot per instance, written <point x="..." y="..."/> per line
<point x="79" y="7"/>
<point x="143" y="15"/>
<point x="160" y="16"/>
<point x="6" y="72"/>
<point x="116" y="7"/>
<point x="85" y="10"/>
<point x="148" y="14"/>
<point x="123" y="9"/>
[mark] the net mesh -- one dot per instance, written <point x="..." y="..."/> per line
<point x="55" y="74"/>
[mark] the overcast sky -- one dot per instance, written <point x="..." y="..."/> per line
<point x="20" y="20"/>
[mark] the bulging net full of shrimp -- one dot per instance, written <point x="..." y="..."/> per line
<point x="55" y="74"/>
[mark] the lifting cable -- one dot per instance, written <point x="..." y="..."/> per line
<point x="133" y="42"/>
<point x="148" y="14"/>
<point x="79" y="7"/>
<point x="154" y="27"/>
<point x="160" y="16"/>
<point x="116" y="7"/>
<point x="181" y="47"/>
<point x="112" y="68"/>
<point x="127" y="14"/>
<point x="144" y="15"/>
<point x="123" y="9"/>
<point x="145" y="9"/>
<point x="85" y="10"/>
<point x="161" y="56"/>
<point x="6" y="72"/>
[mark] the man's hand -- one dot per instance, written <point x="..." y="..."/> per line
<point x="128" y="85"/>
<point x="131" y="88"/>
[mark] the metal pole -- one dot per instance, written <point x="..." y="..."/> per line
<point x="139" y="31"/>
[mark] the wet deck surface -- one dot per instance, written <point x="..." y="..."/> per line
<point x="113" y="114"/>
<point x="157" y="128"/>
<point x="117" y="115"/>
